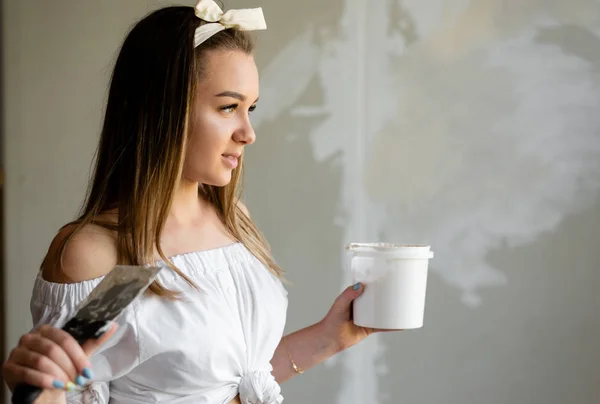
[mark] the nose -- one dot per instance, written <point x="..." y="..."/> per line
<point x="245" y="133"/>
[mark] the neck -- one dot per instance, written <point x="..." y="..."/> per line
<point x="186" y="206"/>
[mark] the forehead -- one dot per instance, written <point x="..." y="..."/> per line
<point x="229" y="71"/>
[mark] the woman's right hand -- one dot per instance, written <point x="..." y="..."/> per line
<point x="51" y="359"/>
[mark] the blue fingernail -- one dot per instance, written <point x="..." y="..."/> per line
<point x="87" y="373"/>
<point x="80" y="380"/>
<point x="355" y="287"/>
<point x="57" y="384"/>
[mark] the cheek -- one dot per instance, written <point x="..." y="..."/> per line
<point x="208" y="140"/>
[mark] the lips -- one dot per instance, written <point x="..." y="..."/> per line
<point x="234" y="155"/>
<point x="231" y="159"/>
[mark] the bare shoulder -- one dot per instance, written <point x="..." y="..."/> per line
<point x="243" y="208"/>
<point x="88" y="253"/>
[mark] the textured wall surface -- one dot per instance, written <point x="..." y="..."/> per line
<point x="469" y="125"/>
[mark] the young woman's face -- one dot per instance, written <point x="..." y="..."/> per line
<point x="220" y="118"/>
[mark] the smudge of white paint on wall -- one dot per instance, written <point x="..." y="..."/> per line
<point x="340" y="71"/>
<point x="504" y="142"/>
<point x="346" y="80"/>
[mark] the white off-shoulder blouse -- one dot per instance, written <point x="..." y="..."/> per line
<point x="212" y="344"/>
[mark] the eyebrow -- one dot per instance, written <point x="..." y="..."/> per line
<point x="233" y="94"/>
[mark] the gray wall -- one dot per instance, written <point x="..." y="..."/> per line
<point x="472" y="126"/>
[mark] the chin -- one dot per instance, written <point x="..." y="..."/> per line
<point x="223" y="184"/>
<point x="219" y="181"/>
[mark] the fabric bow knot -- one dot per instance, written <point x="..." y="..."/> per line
<point x="247" y="19"/>
<point x="260" y="387"/>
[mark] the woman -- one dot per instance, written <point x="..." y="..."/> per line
<point x="164" y="192"/>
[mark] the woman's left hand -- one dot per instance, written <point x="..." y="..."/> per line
<point x="338" y="324"/>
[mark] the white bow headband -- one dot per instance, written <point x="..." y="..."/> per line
<point x="247" y="19"/>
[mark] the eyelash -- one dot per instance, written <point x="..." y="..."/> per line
<point x="234" y="107"/>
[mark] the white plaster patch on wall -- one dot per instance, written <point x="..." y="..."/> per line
<point x="348" y="81"/>
<point x="505" y="145"/>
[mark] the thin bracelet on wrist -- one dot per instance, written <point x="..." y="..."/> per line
<point x="296" y="368"/>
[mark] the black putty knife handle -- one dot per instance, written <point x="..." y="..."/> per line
<point x="25" y="394"/>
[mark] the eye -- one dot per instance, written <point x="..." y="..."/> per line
<point x="252" y="108"/>
<point x="229" y="108"/>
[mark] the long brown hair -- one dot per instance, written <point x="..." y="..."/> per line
<point x="140" y="156"/>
